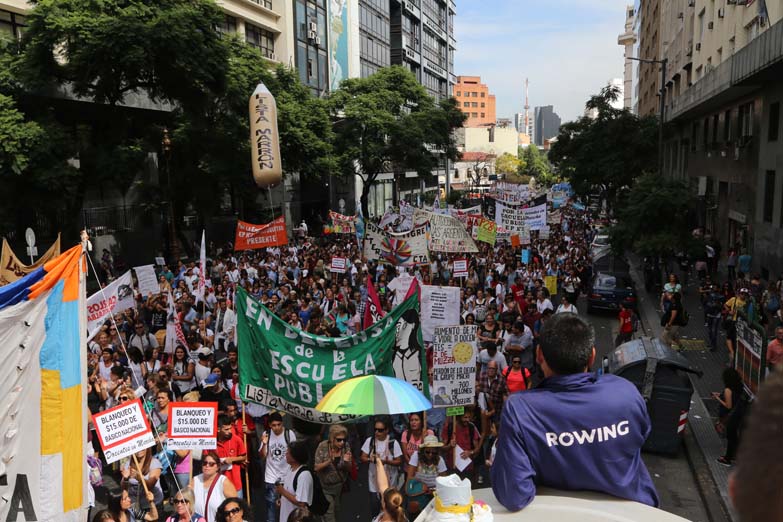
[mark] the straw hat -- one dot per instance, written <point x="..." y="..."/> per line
<point x="431" y="441"/>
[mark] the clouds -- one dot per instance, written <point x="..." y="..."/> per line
<point x="567" y="48"/>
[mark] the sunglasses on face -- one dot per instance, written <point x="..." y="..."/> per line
<point x="516" y="362"/>
<point x="208" y="463"/>
<point x="340" y="440"/>
<point x="429" y="452"/>
<point x="232" y="511"/>
<point x="380" y="430"/>
<point x="181" y="501"/>
<point x="124" y="398"/>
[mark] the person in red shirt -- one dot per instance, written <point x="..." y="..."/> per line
<point x="466" y="438"/>
<point x="232" y="453"/>
<point x="775" y="350"/>
<point x="518" y="289"/>
<point x="240" y="429"/>
<point x="517" y="378"/>
<point x="626" y="325"/>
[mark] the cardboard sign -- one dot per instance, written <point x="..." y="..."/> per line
<point x="440" y="306"/>
<point x="192" y="425"/>
<point x="454" y="355"/>
<point x="148" y="281"/>
<point x="123" y="430"/>
<point x="455" y="411"/>
<point x="338" y="265"/>
<point x="460" y="268"/>
<point x="250" y="236"/>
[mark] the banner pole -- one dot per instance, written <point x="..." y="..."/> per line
<point x="141" y="474"/>
<point x="456" y="446"/>
<point x="247" y="464"/>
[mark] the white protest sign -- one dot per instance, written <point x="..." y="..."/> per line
<point x="447" y="234"/>
<point x="114" y="298"/>
<point x="509" y="217"/>
<point x="338" y="265"/>
<point x="454" y="366"/>
<point x="543" y="233"/>
<point x="440" y="306"/>
<point x="148" y="282"/>
<point x="460" y="268"/>
<point x="405" y="249"/>
<point x="535" y="217"/>
<point x="123" y="430"/>
<point x="160" y="261"/>
<point x="192" y="425"/>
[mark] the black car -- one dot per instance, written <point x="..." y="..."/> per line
<point x="609" y="290"/>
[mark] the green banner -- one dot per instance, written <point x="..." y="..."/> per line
<point x="290" y="370"/>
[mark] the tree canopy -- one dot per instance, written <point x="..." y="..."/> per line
<point x="507" y="164"/>
<point x="607" y="152"/>
<point x="388" y="122"/>
<point x="653" y="220"/>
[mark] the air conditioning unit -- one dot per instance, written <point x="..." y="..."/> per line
<point x="710" y="25"/>
<point x="691" y="3"/>
<point x="317" y="40"/>
<point x="698" y="46"/>
<point x="312" y="26"/>
<point x="312" y="35"/>
<point x="722" y="12"/>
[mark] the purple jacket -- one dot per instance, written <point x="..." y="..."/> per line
<point x="573" y="432"/>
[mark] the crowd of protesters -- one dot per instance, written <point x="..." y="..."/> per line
<point x="506" y="298"/>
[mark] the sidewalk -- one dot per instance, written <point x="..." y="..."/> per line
<point x="704" y="409"/>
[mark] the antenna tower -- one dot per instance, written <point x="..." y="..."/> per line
<point x="527" y="109"/>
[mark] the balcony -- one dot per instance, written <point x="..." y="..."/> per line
<point x="731" y="78"/>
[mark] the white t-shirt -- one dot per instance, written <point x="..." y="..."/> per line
<point x="427" y="474"/>
<point x="304" y="491"/>
<point x="276" y="466"/>
<point x="400" y="285"/>
<point x="484" y="359"/>
<point x="566" y="309"/>
<point x="382" y="450"/>
<point x="543" y="305"/>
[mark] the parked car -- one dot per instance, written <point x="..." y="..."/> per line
<point x="609" y="290"/>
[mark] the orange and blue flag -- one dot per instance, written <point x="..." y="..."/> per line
<point x="43" y="420"/>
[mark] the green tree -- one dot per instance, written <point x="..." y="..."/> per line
<point x="535" y="165"/>
<point x="388" y="122"/>
<point x="507" y="164"/>
<point x="607" y="152"/>
<point x="653" y="220"/>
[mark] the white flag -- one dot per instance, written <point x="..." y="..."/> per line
<point x="113" y="299"/>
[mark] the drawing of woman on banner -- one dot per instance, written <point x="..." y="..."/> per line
<point x="407" y="349"/>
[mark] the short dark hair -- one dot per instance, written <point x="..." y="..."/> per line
<point x="760" y="455"/>
<point x="169" y="393"/>
<point x="247" y="514"/>
<point x="299" y="451"/>
<point x="224" y="420"/>
<point x="275" y="417"/>
<point x="566" y="342"/>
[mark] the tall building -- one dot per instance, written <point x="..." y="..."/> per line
<point x="474" y="99"/>
<point x="519" y="122"/>
<point x="650" y="49"/>
<point x="628" y="40"/>
<point x="724" y="90"/>
<point x="547" y="124"/>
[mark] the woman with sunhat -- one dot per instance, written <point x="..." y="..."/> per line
<point x="424" y="467"/>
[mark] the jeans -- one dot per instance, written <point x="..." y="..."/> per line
<point x="671" y="335"/>
<point x="270" y="495"/>
<point x="332" y="492"/>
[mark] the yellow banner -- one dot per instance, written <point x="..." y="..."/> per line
<point x="551" y="284"/>
<point x="11" y="269"/>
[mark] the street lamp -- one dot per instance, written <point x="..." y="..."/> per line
<point x="662" y="106"/>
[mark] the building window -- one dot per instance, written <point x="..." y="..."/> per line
<point x="474" y="94"/>
<point x="466" y="104"/>
<point x="745" y="121"/>
<point x="483" y="94"/>
<point x="474" y="104"/>
<point x="12" y="25"/>
<point x="473" y="115"/>
<point x="482" y="115"/>
<point x="228" y="26"/>
<point x="456" y="173"/>
<point x="769" y="195"/>
<point x="774" y="122"/>
<point x="715" y="119"/>
<point x="263" y="3"/>
<point x="705" y="136"/>
<point x="459" y="93"/>
<point x="482" y="105"/>
<point x="727" y="126"/>
<point x="260" y="38"/>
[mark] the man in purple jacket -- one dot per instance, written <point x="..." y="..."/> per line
<point x="576" y="430"/>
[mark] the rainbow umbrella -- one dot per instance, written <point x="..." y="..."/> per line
<point x="373" y="395"/>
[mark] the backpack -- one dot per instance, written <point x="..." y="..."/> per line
<point x="773" y="304"/>
<point x="319" y="505"/>
<point x="286" y="435"/>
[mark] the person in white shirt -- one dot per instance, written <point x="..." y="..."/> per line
<point x="542" y="303"/>
<point x="566" y="306"/>
<point x="297" y="487"/>
<point x="389" y="452"/>
<point x="274" y="446"/>
<point x="225" y="325"/>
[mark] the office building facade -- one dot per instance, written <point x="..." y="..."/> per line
<point x="547" y="124"/>
<point x="474" y="99"/>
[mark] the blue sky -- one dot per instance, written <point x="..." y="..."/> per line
<point x="567" y="48"/>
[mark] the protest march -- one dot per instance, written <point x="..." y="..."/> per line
<point x="227" y="361"/>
